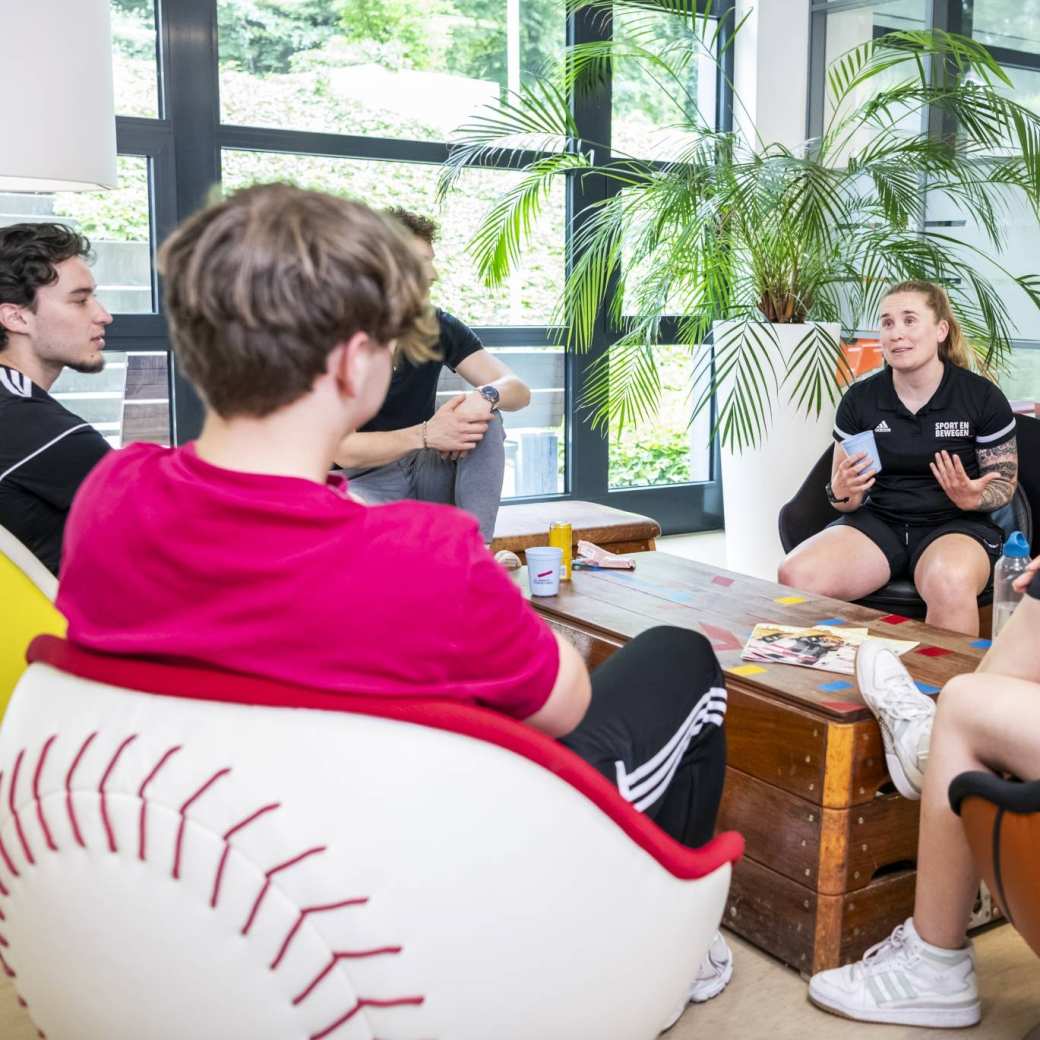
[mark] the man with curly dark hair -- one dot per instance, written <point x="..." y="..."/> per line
<point x="50" y="319"/>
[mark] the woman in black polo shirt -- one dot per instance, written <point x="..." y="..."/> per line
<point x="946" y="440"/>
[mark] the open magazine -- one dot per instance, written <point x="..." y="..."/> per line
<point x="828" y="648"/>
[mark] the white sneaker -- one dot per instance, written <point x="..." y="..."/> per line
<point x="711" y="979"/>
<point x="905" y="981"/>
<point x="904" y="714"/>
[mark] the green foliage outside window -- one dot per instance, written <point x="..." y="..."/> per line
<point x="643" y="464"/>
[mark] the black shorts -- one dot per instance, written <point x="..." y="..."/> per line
<point x="903" y="544"/>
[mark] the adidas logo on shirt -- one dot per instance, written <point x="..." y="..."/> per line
<point x="882" y="427"/>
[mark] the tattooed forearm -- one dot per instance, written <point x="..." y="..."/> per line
<point x="1004" y="462"/>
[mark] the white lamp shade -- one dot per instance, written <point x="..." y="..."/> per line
<point x="59" y="128"/>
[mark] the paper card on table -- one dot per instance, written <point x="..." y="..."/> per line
<point x="894" y="619"/>
<point x="828" y="648"/>
<point x="981" y="644"/>
<point x="720" y="580"/>
<point x="835" y="687"/>
<point x="746" y="669"/>
<point x="933" y="651"/>
<point x="721" y="638"/>
<point x="926" y="687"/>
<point x="842" y="706"/>
<point x="789" y="601"/>
<point x="829" y="621"/>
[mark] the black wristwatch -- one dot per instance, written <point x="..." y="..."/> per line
<point x="490" y="393"/>
<point x="830" y="496"/>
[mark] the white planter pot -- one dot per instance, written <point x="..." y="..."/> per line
<point x="758" y="481"/>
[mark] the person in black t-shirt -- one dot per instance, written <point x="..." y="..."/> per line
<point x="50" y="319"/>
<point x="453" y="454"/>
<point x="946" y="441"/>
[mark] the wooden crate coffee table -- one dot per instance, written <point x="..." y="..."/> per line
<point x="830" y="862"/>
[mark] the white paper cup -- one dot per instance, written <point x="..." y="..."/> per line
<point x="543" y="570"/>
<point x="865" y="441"/>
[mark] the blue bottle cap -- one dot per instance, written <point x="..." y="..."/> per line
<point x="1016" y="545"/>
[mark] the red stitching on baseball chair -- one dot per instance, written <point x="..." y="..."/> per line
<point x="364" y="867"/>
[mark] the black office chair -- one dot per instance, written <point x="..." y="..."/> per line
<point x="809" y="512"/>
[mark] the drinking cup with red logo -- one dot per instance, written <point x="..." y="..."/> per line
<point x="543" y="569"/>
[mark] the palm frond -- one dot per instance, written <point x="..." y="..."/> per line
<point x="816" y="370"/>
<point x="623" y="386"/>
<point x="740" y="229"/>
<point x="498" y="243"/>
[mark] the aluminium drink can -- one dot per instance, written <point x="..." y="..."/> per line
<point x="560" y="535"/>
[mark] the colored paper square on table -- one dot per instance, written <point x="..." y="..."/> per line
<point x="926" y="687"/>
<point x="747" y="669"/>
<point x="719" y="580"/>
<point x="836" y="687"/>
<point x="789" y="600"/>
<point x="842" y="706"/>
<point x="721" y="638"/>
<point x="829" y="621"/>
<point x="894" y="619"/>
<point x="981" y="644"/>
<point x="933" y="651"/>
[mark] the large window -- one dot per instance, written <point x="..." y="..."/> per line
<point x="135" y="65"/>
<point x="646" y="101"/>
<point x="362" y="97"/>
<point x="378" y="68"/>
<point x="536" y="436"/>
<point x="1011" y="29"/>
<point x="1008" y="24"/>
<point x="667" y="448"/>
<point x="1012" y="32"/>
<point x="527" y="299"/>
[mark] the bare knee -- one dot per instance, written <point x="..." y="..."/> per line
<point x="950" y="586"/>
<point x="960" y="699"/>
<point x="800" y="571"/>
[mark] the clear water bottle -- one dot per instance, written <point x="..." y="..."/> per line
<point x="1009" y="567"/>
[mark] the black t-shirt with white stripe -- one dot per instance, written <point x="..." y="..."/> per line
<point x="966" y="413"/>
<point x="45" y="454"/>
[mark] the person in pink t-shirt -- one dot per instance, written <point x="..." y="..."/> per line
<point x="240" y="552"/>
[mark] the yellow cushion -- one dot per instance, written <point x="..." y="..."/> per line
<point x="25" y="612"/>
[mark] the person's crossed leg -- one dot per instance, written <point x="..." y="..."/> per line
<point x="924" y="973"/>
<point x="472" y="482"/>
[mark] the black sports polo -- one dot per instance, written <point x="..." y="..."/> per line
<point x="45" y="453"/>
<point x="966" y="413"/>
<point x="412" y="395"/>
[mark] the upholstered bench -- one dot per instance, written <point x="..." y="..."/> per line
<point x="522" y="525"/>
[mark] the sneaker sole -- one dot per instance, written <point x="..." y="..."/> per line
<point x="903" y="783"/>
<point x="721" y="983"/>
<point x="706" y="994"/>
<point x="935" y="1018"/>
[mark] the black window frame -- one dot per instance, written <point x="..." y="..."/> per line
<point x="184" y="145"/>
<point x="950" y="15"/>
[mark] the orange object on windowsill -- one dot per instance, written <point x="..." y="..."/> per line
<point x="863" y="357"/>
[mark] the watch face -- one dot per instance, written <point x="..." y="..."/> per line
<point x="491" y="393"/>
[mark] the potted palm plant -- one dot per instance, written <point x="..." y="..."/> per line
<point x="777" y="251"/>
